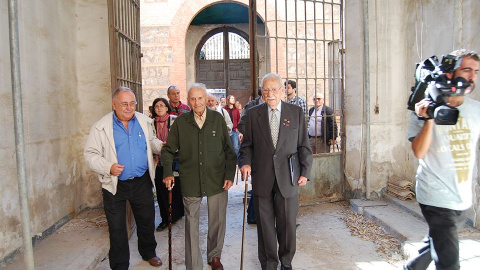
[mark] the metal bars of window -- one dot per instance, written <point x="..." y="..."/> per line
<point x="304" y="43"/>
<point x="125" y="50"/>
<point x="213" y="47"/>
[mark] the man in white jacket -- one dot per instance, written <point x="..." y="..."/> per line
<point x="212" y="105"/>
<point x="119" y="149"/>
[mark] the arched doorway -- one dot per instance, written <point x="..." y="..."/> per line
<point x="222" y="63"/>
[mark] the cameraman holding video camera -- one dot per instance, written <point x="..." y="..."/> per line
<point x="446" y="154"/>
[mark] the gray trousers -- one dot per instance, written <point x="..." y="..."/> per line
<point x="217" y="221"/>
<point x="319" y="145"/>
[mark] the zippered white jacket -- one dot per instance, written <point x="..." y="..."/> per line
<point x="100" y="153"/>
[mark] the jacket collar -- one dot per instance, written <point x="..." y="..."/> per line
<point x="208" y="119"/>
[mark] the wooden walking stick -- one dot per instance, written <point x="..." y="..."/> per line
<point x="244" y="217"/>
<point x="170" y="228"/>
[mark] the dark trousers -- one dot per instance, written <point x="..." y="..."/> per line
<point x="139" y="193"/>
<point x="251" y="217"/>
<point x="162" y="197"/>
<point x="442" y="240"/>
<point x="276" y="221"/>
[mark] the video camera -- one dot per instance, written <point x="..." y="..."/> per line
<point x="433" y="83"/>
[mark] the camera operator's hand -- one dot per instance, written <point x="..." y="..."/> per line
<point x="422" y="107"/>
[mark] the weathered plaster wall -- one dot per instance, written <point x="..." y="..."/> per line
<point x="94" y="85"/>
<point x="56" y="112"/>
<point x="401" y="33"/>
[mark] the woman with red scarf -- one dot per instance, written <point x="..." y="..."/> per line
<point x="160" y="112"/>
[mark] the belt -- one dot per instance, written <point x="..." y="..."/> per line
<point x="321" y="137"/>
<point x="134" y="178"/>
<point x="130" y="179"/>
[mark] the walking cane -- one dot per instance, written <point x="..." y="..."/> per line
<point x="170" y="228"/>
<point x="244" y="218"/>
<point x="236" y="174"/>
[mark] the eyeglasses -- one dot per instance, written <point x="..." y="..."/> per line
<point x="274" y="91"/>
<point x="158" y="106"/>
<point x="126" y="104"/>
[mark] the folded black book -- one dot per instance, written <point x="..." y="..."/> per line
<point x="294" y="165"/>
<point x="295" y="169"/>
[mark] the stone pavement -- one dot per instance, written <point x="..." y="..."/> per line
<point x="324" y="241"/>
<point x="404" y="220"/>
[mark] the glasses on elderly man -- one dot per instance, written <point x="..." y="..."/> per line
<point x="128" y="104"/>
<point x="266" y="91"/>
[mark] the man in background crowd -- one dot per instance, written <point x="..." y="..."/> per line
<point x="212" y="104"/>
<point x="223" y="101"/>
<point x="322" y="127"/>
<point x="292" y="97"/>
<point x="178" y="108"/>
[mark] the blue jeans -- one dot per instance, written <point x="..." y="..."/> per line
<point x="235" y="141"/>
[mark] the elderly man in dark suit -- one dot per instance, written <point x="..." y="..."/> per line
<point x="274" y="131"/>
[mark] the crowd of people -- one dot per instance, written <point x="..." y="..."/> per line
<point x="193" y="151"/>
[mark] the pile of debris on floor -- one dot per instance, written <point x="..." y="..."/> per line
<point x="369" y="230"/>
<point x="400" y="188"/>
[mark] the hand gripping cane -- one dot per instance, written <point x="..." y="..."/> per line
<point x="245" y="178"/>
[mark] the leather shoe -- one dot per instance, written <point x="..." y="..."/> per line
<point x="216" y="264"/>
<point x="285" y="267"/>
<point x="162" y="226"/>
<point x="155" y="261"/>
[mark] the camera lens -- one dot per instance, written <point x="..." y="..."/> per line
<point x="443" y="114"/>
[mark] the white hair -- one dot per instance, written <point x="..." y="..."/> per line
<point x="197" y="85"/>
<point x="271" y="76"/>
<point x="121" y="89"/>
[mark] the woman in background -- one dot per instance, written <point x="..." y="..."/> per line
<point x="160" y="112"/>
<point x="238" y="105"/>
<point x="234" y="114"/>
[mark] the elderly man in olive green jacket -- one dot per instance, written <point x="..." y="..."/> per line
<point x="207" y="168"/>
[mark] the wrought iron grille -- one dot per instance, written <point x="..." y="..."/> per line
<point x="213" y="49"/>
<point x="304" y="43"/>
<point x="125" y="50"/>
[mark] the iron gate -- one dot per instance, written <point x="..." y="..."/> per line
<point x="125" y="51"/>
<point x="304" y="42"/>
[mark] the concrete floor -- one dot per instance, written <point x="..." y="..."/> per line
<point x="323" y="241"/>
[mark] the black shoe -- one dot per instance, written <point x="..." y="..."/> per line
<point x="162" y="226"/>
<point x="286" y="267"/>
<point x="176" y="219"/>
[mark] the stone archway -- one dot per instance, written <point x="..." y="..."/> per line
<point x="182" y="73"/>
